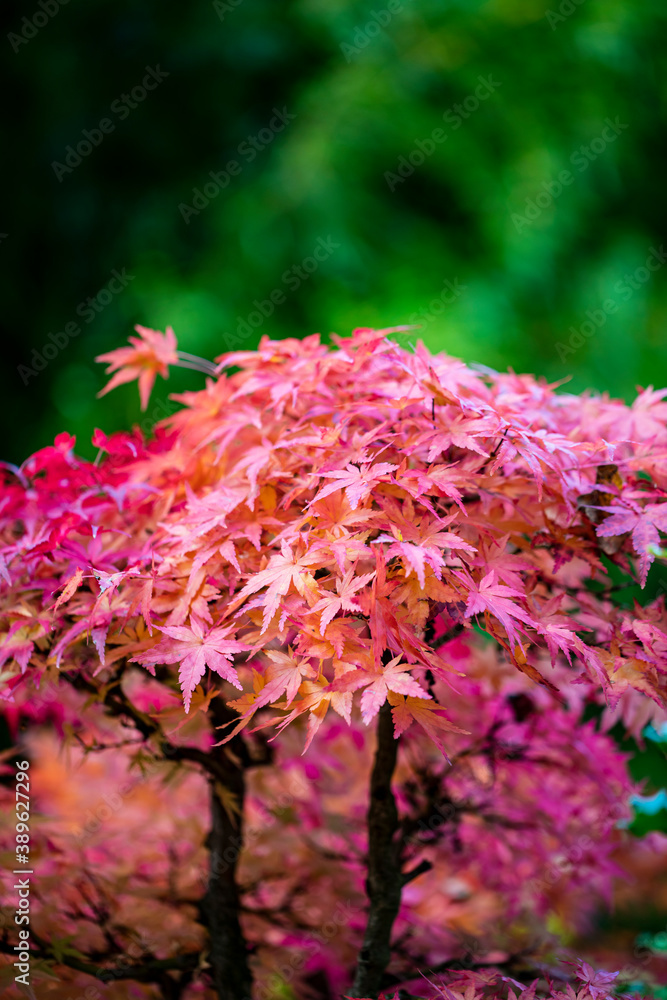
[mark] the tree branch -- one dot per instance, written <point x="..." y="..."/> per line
<point x="149" y="971"/>
<point x="225" y="767"/>
<point x="423" y="866"/>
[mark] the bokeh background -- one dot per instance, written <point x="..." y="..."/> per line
<point x="476" y="236"/>
<point x="366" y="81"/>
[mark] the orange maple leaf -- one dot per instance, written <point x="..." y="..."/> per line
<point x="151" y="354"/>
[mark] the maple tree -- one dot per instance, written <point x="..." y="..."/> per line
<point x="350" y="536"/>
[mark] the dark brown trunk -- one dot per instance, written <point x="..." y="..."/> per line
<point x="220" y="907"/>
<point x="384" y="881"/>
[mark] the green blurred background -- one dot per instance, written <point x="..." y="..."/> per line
<point x="365" y="81"/>
<point x="481" y="241"/>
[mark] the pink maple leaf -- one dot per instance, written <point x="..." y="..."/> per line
<point x="423" y="548"/>
<point x="600" y="983"/>
<point x="357" y="483"/>
<point x="283" y="675"/>
<point x="282" y="571"/>
<point x="195" y="649"/>
<point x="393" y="677"/>
<point x="644" y="523"/>
<point x="495" y="598"/>
<point x="331" y="604"/>
<point x="438" y="480"/>
<point x="151" y="354"/>
<point x="16" y="645"/>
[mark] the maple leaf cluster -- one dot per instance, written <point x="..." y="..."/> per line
<point x="320" y="506"/>
<point x="325" y="531"/>
<point x="589" y="984"/>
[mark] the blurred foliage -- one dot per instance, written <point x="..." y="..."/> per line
<point x="648" y="765"/>
<point x="366" y="83"/>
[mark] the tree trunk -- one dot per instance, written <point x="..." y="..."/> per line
<point x="220" y="907"/>
<point x="384" y="881"/>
